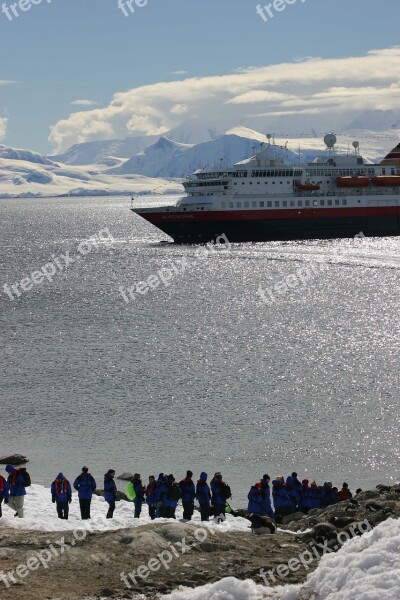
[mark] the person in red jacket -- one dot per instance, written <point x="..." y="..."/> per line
<point x="4" y="492"/>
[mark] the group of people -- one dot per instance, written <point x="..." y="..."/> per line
<point x="292" y="495"/>
<point x="162" y="495"/>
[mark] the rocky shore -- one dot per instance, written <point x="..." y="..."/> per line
<point x="120" y="564"/>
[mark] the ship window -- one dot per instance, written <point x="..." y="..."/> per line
<point x="258" y="183"/>
<point x="266" y="182"/>
<point x="251" y="183"/>
<point x="277" y="204"/>
<point x="184" y="209"/>
<point x="329" y="202"/>
<point x="223" y="204"/>
<point x="337" y="202"/>
<point x="322" y="203"/>
<point x="238" y="205"/>
<point x="246" y="204"/>
<point x="243" y="182"/>
<point x="269" y="204"/>
<point x="235" y="183"/>
<point x="254" y="204"/>
<point x="262" y="204"/>
<point x="300" y="203"/>
<point x="292" y="203"/>
<point x="344" y="202"/>
<point x="284" y="203"/>
<point x="202" y="208"/>
<point x="315" y="202"/>
<point x="230" y="204"/>
<point x="307" y="203"/>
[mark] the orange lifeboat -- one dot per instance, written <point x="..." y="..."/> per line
<point x="387" y="181"/>
<point x="353" y="182"/>
<point x="308" y="187"/>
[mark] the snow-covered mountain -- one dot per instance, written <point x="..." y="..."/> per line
<point x="90" y="153"/>
<point x="27" y="155"/>
<point x="377" y="120"/>
<point x="166" y="158"/>
<point x="21" y="177"/>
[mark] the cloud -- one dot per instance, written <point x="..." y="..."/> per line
<point x="3" y="127"/>
<point x="178" y="73"/>
<point x="84" y="102"/>
<point x="326" y="88"/>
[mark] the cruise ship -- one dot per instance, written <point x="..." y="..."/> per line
<point x="265" y="198"/>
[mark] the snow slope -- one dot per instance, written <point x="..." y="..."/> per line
<point x="22" y="178"/>
<point x="365" y="568"/>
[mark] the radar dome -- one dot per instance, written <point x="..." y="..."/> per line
<point x="356" y="145"/>
<point x="330" y="140"/>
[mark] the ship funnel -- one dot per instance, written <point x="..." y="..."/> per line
<point x="393" y="158"/>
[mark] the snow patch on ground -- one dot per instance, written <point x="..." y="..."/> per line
<point x="365" y="568"/>
<point x="41" y="515"/>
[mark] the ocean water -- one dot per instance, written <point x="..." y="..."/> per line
<point x="199" y="373"/>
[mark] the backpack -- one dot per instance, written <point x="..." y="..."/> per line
<point x="130" y="491"/>
<point x="173" y="493"/>
<point x="27" y="479"/>
<point x="226" y="491"/>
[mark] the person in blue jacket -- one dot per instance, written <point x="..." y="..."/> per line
<point x="294" y="488"/>
<point x="203" y="495"/>
<point x="306" y="501"/>
<point x="140" y="491"/>
<point x="151" y="497"/>
<point x="188" y="493"/>
<point x="314" y="496"/>
<point x="18" y="480"/>
<point x="328" y="496"/>
<point x="282" y="500"/>
<point x="110" y="492"/>
<point x="255" y="499"/>
<point x="4" y="492"/>
<point x="61" y="494"/>
<point x="221" y="492"/>
<point x="160" y="484"/>
<point x="85" y="485"/>
<point x="266" y="496"/>
<point x="169" y="496"/>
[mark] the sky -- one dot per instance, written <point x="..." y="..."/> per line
<point x="80" y="70"/>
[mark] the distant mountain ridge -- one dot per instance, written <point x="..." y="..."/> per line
<point x="134" y="165"/>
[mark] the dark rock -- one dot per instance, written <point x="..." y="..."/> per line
<point x="341" y="522"/>
<point x="107" y="592"/>
<point x="127" y="539"/>
<point x="261" y="525"/>
<point x="324" y="531"/>
<point x="120" y="495"/>
<point x="13" y="459"/>
<point x="383" y="488"/>
<point x="125" y="476"/>
<point x="293" y="517"/>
